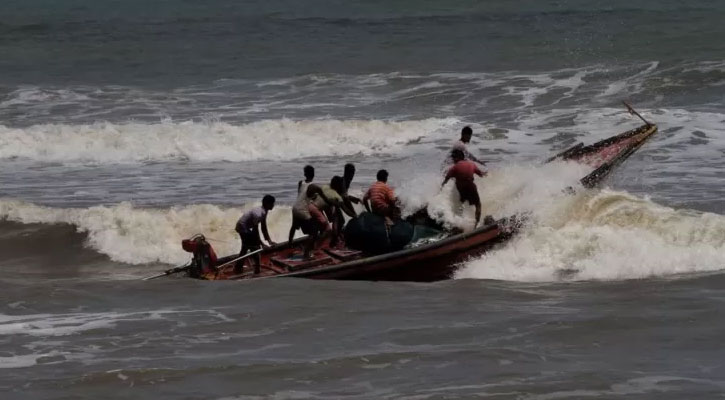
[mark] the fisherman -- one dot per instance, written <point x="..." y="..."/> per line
<point x="334" y="205"/>
<point x="347" y="176"/>
<point x="381" y="198"/>
<point x="462" y="171"/>
<point x="248" y="229"/>
<point x="309" y="172"/>
<point x="348" y="200"/>
<point x="461" y="144"/>
<point x="308" y="217"/>
<point x="203" y="254"/>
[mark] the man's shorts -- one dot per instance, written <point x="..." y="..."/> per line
<point x="468" y="192"/>
<point x="250" y="239"/>
<point x="318" y="222"/>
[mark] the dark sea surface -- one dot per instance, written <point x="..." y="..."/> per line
<point x="126" y="126"/>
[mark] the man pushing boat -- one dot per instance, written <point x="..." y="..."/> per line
<point x="248" y="229"/>
<point x="463" y="172"/>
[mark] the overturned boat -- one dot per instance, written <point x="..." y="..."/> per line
<point x="433" y="255"/>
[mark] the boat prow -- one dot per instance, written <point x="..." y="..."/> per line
<point x="606" y="154"/>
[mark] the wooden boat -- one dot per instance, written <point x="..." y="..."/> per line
<point x="434" y="260"/>
<point x="606" y="154"/>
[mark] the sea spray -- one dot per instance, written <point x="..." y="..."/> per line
<point x="606" y="235"/>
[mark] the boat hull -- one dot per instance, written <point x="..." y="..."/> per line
<point x="433" y="262"/>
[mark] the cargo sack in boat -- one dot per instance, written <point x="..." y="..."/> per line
<point x="368" y="233"/>
<point x="401" y="233"/>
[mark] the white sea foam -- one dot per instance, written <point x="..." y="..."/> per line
<point x="213" y="141"/>
<point x="56" y="325"/>
<point x="142" y="235"/>
<point x="606" y="235"/>
<point x="595" y="234"/>
<point x="29" y="360"/>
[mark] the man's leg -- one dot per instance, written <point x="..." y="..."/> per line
<point x="337" y="227"/>
<point x="469" y="193"/>
<point x="478" y="213"/>
<point x="293" y="228"/>
<point x="239" y="265"/>
<point x="255" y="245"/>
<point x="310" y="244"/>
<point x="476" y="200"/>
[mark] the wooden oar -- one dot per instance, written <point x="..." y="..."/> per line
<point x="174" y="270"/>
<point x="633" y="112"/>
<point x="186" y="267"/>
<point x="218" y="268"/>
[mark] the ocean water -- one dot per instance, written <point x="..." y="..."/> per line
<point x="126" y="126"/>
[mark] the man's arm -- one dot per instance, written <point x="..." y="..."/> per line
<point x="478" y="171"/>
<point x="449" y="175"/>
<point x="392" y="199"/>
<point x="473" y="158"/>
<point x="331" y="217"/>
<point x="365" y="201"/>
<point x="346" y="207"/>
<point x="265" y="232"/>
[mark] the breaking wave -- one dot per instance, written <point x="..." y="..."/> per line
<point x="592" y="235"/>
<point x="606" y="235"/>
<point x="145" y="235"/>
<point x="212" y="141"/>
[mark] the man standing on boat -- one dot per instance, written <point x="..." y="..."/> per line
<point x="302" y="185"/>
<point x="248" y="229"/>
<point x="381" y="198"/>
<point x="347" y="176"/>
<point x="461" y="144"/>
<point x="309" y="218"/>
<point x="334" y="205"/>
<point x="462" y="171"/>
<point x="348" y="200"/>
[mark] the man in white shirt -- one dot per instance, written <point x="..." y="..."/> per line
<point x="248" y="230"/>
<point x="466" y="134"/>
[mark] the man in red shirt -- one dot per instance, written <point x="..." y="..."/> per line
<point x="462" y="171"/>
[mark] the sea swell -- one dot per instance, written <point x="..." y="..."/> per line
<point x="213" y="141"/>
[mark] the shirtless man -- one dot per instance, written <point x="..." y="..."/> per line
<point x="316" y="208"/>
<point x="302" y="185"/>
<point x="336" y="203"/>
<point x="462" y="171"/>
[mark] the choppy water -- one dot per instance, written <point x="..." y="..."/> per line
<point x="126" y="126"/>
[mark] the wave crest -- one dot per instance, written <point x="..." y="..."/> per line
<point x="213" y="141"/>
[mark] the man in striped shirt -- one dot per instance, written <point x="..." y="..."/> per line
<point x="381" y="198"/>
